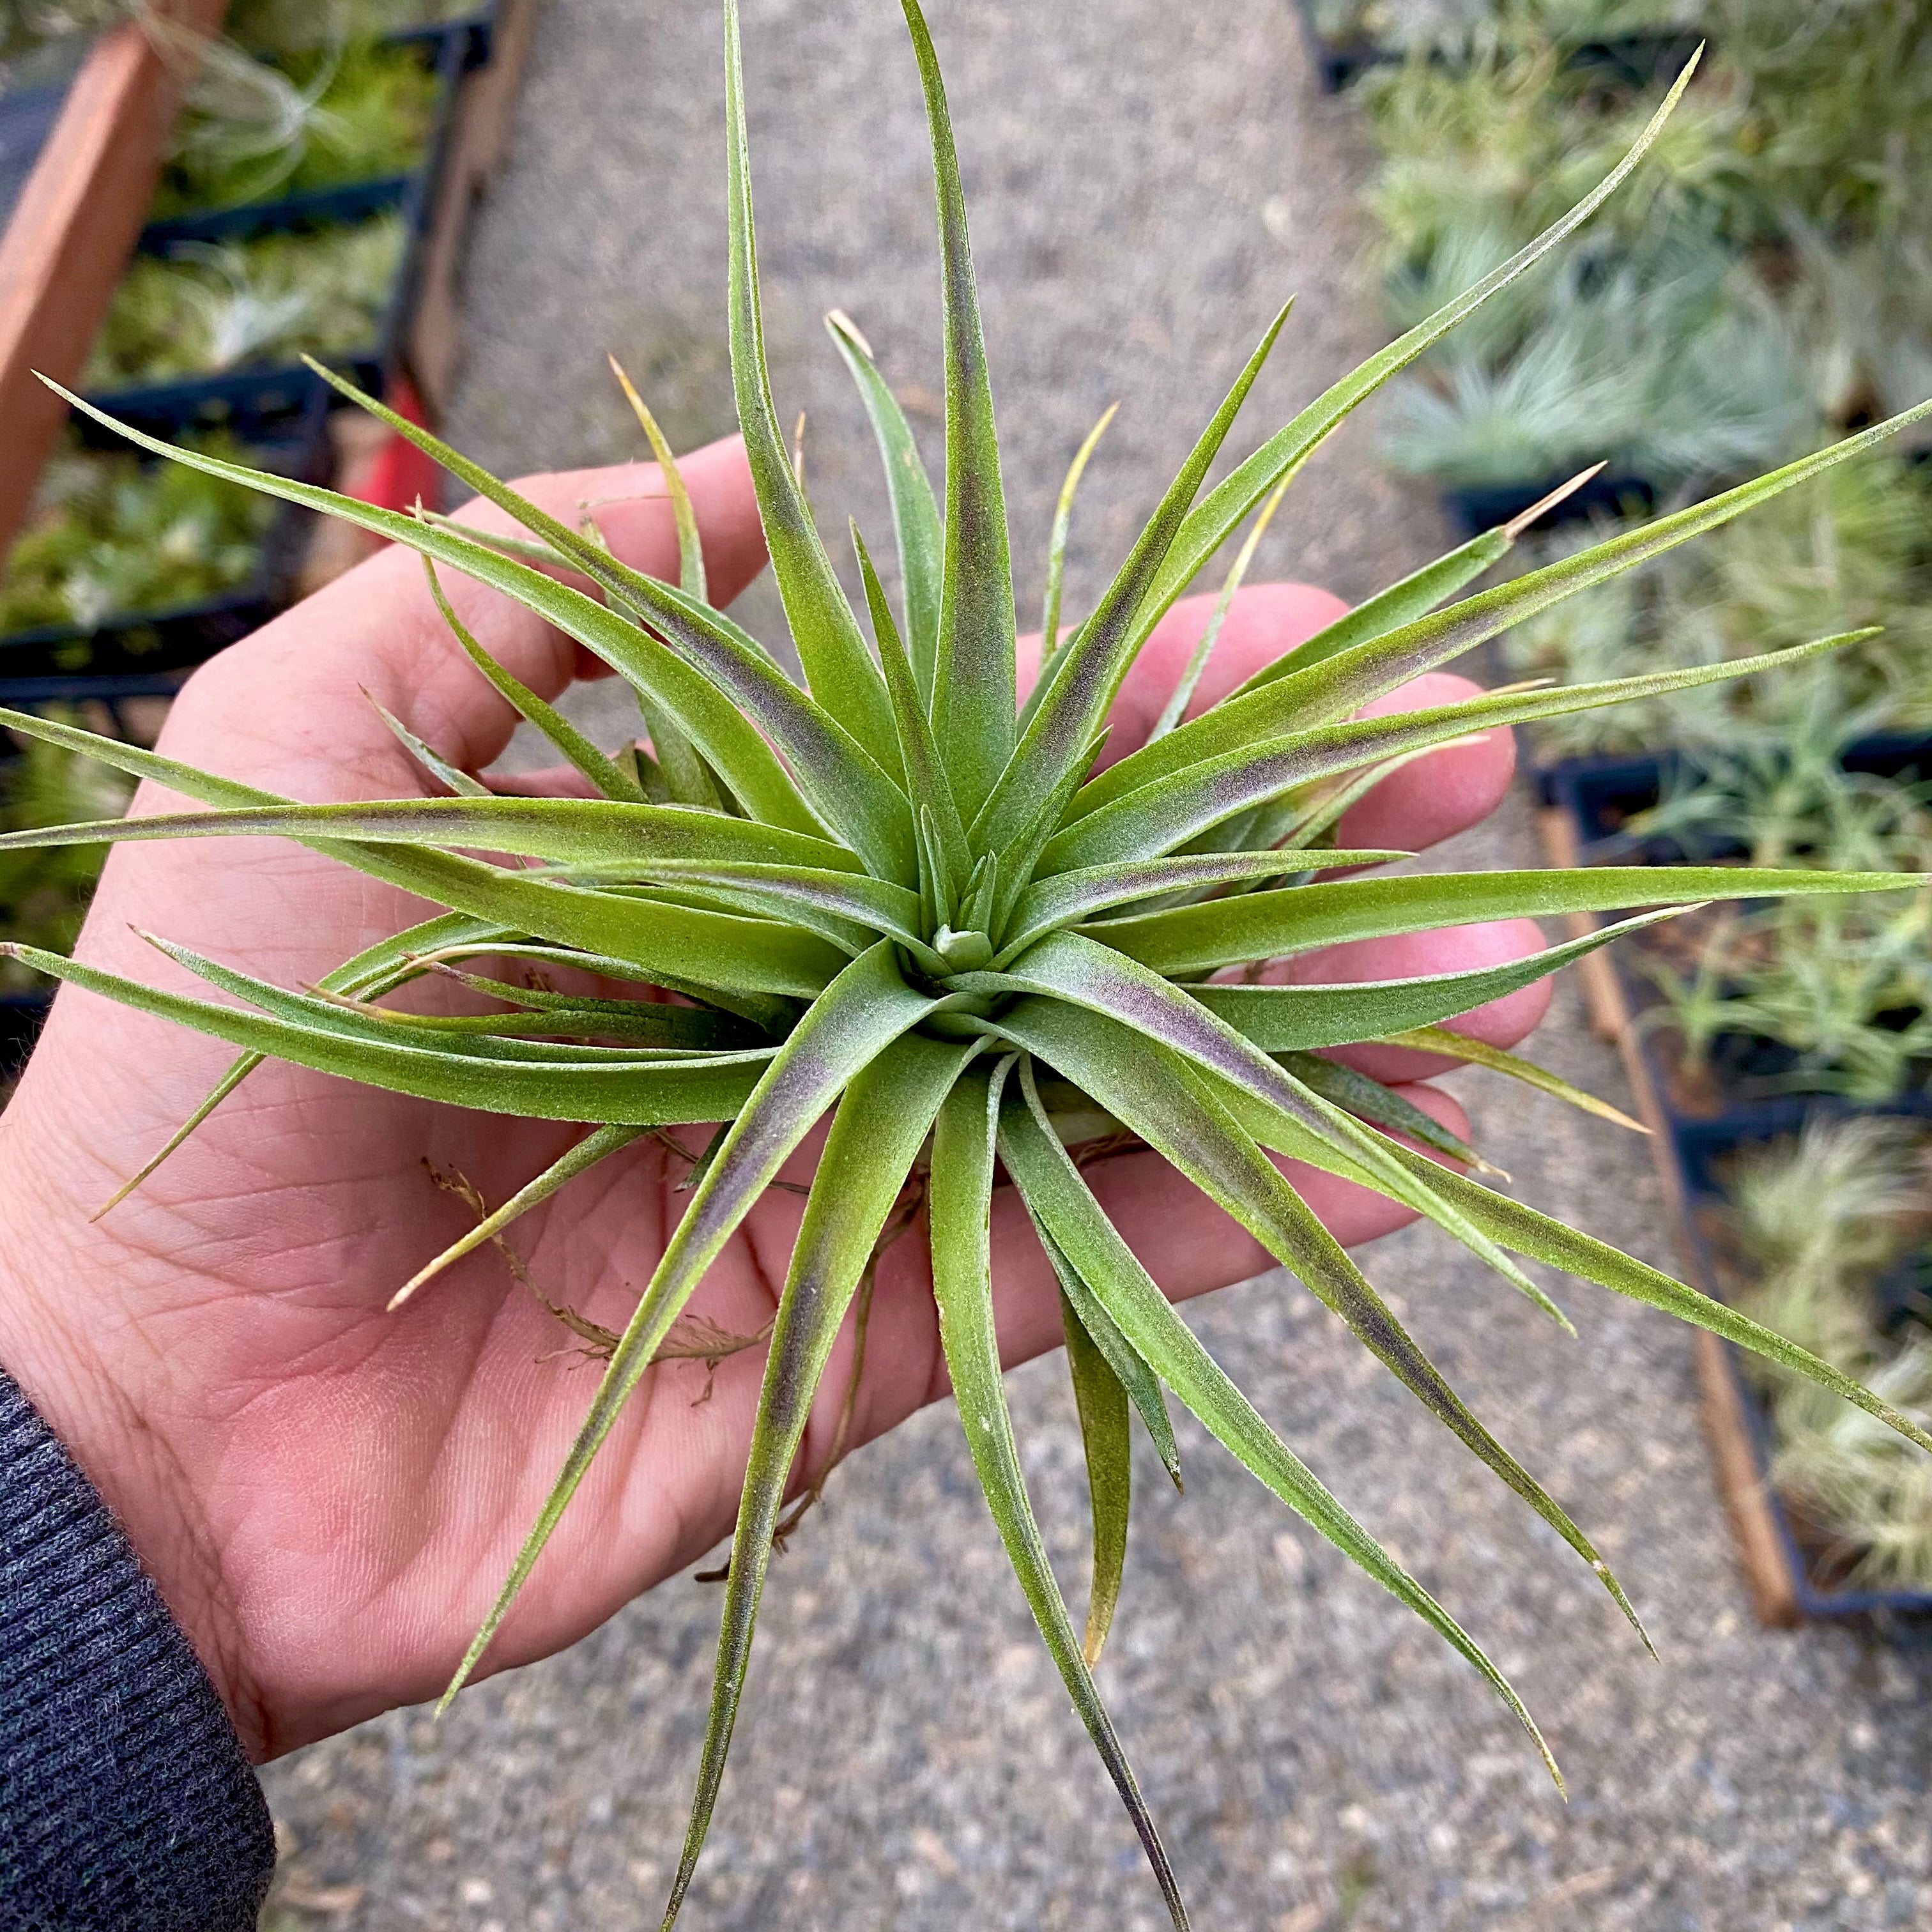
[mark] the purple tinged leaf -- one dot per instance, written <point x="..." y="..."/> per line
<point x="611" y="1086"/>
<point x="974" y="683"/>
<point x="915" y="514"/>
<point x="1167" y="811"/>
<point x="605" y="773"/>
<point x="1087" y="673"/>
<point x="881" y="1123"/>
<point x="962" y="1192"/>
<point x="1284" y="1019"/>
<point x="1279" y="925"/>
<point x="858" y="1016"/>
<point x="706" y="715"/>
<point x="842" y="676"/>
<point x="1172" y="1115"/>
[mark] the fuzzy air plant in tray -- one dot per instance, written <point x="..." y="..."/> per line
<point x="893" y="893"/>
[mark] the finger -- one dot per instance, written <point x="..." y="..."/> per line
<point x="1462" y="949"/>
<point x="288" y="697"/>
<point x="1263" y="623"/>
<point x="1440" y="795"/>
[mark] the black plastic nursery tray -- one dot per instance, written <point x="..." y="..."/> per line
<point x="475" y="31"/>
<point x="252" y="399"/>
<point x="1338" y="62"/>
<point x="1474" y="508"/>
<point x="1634" y="60"/>
<point x="140" y="653"/>
<point x="1699" y="1155"/>
<point x="1601" y="795"/>
<point x="1740" y="1091"/>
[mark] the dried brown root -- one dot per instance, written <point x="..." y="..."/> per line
<point x="693" y="1338"/>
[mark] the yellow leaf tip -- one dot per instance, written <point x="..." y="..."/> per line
<point x="1523" y="519"/>
<point x="837" y="319"/>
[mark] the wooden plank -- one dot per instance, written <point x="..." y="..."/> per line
<point x="1760" y="1549"/>
<point x="72" y="231"/>
<point x="478" y="143"/>
<point x="1596" y="977"/>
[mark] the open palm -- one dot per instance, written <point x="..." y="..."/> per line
<point x="329" y="1493"/>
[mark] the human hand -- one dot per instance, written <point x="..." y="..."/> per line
<point x="329" y="1494"/>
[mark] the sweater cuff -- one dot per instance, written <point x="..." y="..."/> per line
<point x="126" y="1802"/>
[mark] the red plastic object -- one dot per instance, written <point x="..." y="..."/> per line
<point x="400" y="476"/>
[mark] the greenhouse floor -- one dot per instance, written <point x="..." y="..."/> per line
<point x="1148" y="181"/>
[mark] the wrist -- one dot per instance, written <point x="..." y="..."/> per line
<point x="100" y="1412"/>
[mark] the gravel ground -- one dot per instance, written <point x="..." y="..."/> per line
<point x="1148" y="181"/>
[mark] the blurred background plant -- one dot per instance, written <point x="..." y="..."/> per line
<point x="1779" y="245"/>
<point x="47" y="891"/>
<point x="1836" y="999"/>
<point x="27" y="26"/>
<point x="1851" y="549"/>
<point x="270" y="27"/>
<point x="281" y="27"/>
<point x="209" y="307"/>
<point x="109" y="535"/>
<point x="315" y="117"/>
<point x="1821" y="1222"/>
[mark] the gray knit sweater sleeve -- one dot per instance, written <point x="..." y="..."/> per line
<point x="126" y="1803"/>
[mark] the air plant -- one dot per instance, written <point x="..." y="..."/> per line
<point x="111" y="536"/>
<point x="1818" y="1218"/>
<point x="277" y="27"/>
<point x="1791" y="801"/>
<point x="207" y="307"/>
<point x="43" y="894"/>
<point x="1852" y="550"/>
<point x="1677" y="368"/>
<point x="1857" y="310"/>
<point x="1454" y="26"/>
<point x="1508" y="141"/>
<point x="1833" y="97"/>
<point x="319" y="119"/>
<point x="894" y="893"/>
<point x="26" y="25"/>
<point x="1844" y="992"/>
<point x="1844" y="987"/>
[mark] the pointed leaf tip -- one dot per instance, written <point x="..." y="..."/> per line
<point x="1524" y="519"/>
<point x="846" y="327"/>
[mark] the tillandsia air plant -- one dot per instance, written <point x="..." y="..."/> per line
<point x="892" y="892"/>
<point x="207" y="307"/>
<point x="1819" y="1220"/>
<point x="1452" y="26"/>
<point x="43" y="894"/>
<point x="28" y="25"/>
<point x="1824" y="996"/>
<point x="1677" y="369"/>
<point x="110" y="536"/>
<point x="1830" y="998"/>
<point x="1852" y="550"/>
<point x="319" y="119"/>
